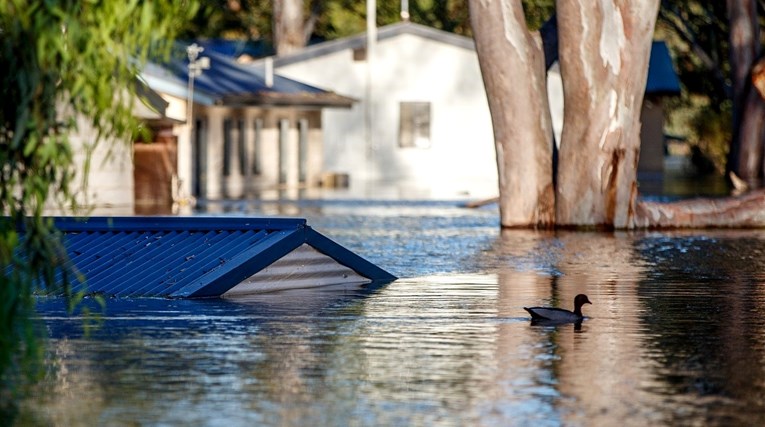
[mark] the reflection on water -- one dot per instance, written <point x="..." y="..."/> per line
<point x="675" y="335"/>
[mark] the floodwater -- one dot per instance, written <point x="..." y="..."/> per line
<point x="675" y="334"/>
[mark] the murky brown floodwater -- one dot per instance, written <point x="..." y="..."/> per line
<point x="676" y="335"/>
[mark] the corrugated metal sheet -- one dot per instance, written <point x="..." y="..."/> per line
<point x="227" y="82"/>
<point x="191" y="256"/>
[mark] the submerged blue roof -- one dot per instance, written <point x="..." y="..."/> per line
<point x="188" y="257"/>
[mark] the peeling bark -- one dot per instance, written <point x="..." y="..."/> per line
<point x="513" y="69"/>
<point x="604" y="51"/>
<point x="745" y="211"/>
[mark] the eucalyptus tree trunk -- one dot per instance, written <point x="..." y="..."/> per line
<point x="604" y="51"/>
<point x="604" y="48"/>
<point x="513" y="69"/>
<point x="288" y="26"/>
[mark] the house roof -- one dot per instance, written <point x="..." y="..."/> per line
<point x="236" y="48"/>
<point x="360" y="41"/>
<point x="191" y="257"/>
<point x="662" y="78"/>
<point x="228" y="83"/>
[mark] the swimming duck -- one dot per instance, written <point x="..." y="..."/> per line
<point x="559" y="314"/>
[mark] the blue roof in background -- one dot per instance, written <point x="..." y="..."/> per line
<point x="188" y="257"/>
<point x="236" y="48"/>
<point x="227" y="82"/>
<point x="662" y="77"/>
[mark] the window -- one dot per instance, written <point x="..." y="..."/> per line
<point x="414" y="125"/>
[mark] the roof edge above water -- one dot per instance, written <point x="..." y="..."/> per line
<point x="195" y="256"/>
<point x="174" y="223"/>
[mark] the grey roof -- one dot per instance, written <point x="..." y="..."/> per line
<point x="662" y="78"/>
<point x="188" y="257"/>
<point x="360" y="40"/>
<point x="227" y="82"/>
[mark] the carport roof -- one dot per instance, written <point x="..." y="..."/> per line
<point x="227" y="82"/>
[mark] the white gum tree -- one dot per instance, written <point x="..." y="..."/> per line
<point x="604" y="47"/>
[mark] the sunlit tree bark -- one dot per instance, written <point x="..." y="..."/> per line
<point x="604" y="50"/>
<point x="288" y="26"/>
<point x="512" y="64"/>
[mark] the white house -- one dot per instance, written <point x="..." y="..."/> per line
<point x="252" y="133"/>
<point x="421" y="128"/>
<point x="104" y="169"/>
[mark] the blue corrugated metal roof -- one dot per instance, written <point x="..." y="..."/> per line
<point x="236" y="48"/>
<point x="189" y="257"/>
<point x="227" y="82"/>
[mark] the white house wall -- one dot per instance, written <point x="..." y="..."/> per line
<point x="461" y="160"/>
<point x="108" y="185"/>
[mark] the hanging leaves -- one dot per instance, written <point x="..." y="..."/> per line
<point x="59" y="61"/>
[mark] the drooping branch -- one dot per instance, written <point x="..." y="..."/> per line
<point x="670" y="15"/>
<point x="317" y="9"/>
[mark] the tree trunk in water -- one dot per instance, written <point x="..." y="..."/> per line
<point x="746" y="156"/>
<point x="513" y="69"/>
<point x="742" y="211"/>
<point x="604" y="53"/>
<point x="289" y="31"/>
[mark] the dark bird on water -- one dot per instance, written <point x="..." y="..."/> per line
<point x="558" y="314"/>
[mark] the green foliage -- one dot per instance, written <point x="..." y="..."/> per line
<point x="711" y="131"/>
<point x="706" y="126"/>
<point x="697" y="32"/>
<point x="698" y="35"/>
<point x="234" y="19"/>
<point x="538" y="12"/>
<point x="60" y="61"/>
<point x="252" y="19"/>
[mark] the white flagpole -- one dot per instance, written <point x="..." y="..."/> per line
<point x="371" y="46"/>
